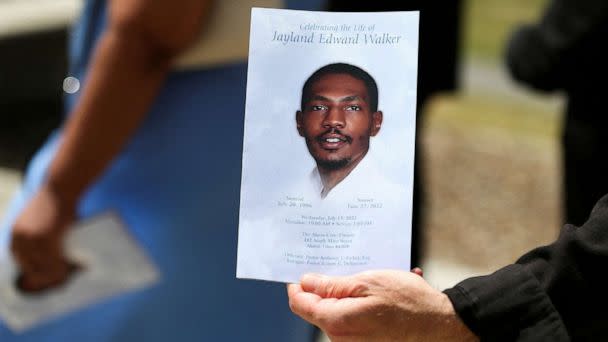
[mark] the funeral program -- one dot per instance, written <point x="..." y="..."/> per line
<point x="328" y="147"/>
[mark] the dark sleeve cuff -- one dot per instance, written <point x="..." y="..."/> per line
<point x="508" y="305"/>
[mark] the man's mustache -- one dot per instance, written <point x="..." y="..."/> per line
<point x="334" y="131"/>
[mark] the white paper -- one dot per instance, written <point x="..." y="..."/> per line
<point x="286" y="228"/>
<point x="113" y="264"/>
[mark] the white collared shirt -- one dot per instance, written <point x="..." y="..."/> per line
<point x="365" y="181"/>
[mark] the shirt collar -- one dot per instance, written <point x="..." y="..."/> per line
<point x="361" y="170"/>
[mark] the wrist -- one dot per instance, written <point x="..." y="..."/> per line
<point x="456" y="329"/>
<point x="64" y="197"/>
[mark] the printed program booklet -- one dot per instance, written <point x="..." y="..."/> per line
<point x="328" y="147"/>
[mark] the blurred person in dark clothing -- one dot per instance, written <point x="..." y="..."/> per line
<point x="437" y="72"/>
<point x="566" y="51"/>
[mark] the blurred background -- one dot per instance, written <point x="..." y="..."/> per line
<point x="33" y="64"/>
<point x="493" y="167"/>
<point x="491" y="149"/>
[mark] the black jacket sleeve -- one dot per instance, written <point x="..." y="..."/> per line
<point x="553" y="293"/>
<point x="563" y="48"/>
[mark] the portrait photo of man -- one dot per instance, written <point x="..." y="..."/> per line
<point x="328" y="145"/>
<point x="338" y="118"/>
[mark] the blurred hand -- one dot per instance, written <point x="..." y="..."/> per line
<point x="37" y="241"/>
<point x="377" y="306"/>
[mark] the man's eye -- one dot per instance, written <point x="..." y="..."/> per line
<point x="318" y="107"/>
<point x="354" y="108"/>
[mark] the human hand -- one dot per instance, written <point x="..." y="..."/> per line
<point x="377" y="306"/>
<point x="37" y="241"/>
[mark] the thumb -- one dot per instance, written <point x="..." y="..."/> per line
<point x="418" y="271"/>
<point x="333" y="287"/>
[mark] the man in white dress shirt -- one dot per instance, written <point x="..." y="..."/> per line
<point x="338" y="116"/>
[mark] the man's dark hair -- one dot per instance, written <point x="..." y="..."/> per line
<point x="343" y="68"/>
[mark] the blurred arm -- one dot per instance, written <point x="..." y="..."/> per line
<point x="128" y="67"/>
<point x="129" y="64"/>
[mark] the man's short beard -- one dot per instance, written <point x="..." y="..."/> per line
<point x="332" y="164"/>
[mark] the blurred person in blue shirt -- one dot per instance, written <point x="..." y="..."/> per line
<point x="141" y="138"/>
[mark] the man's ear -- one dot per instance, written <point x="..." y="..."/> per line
<point x="376" y="123"/>
<point x="300" y="122"/>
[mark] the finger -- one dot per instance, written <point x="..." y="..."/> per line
<point x="293" y="289"/>
<point x="40" y="265"/>
<point x="337" y="316"/>
<point x="52" y="275"/>
<point x="26" y="256"/>
<point x="33" y="257"/>
<point x="303" y="303"/>
<point x="418" y="271"/>
<point x="333" y="287"/>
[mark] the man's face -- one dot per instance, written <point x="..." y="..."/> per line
<point x="337" y="121"/>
